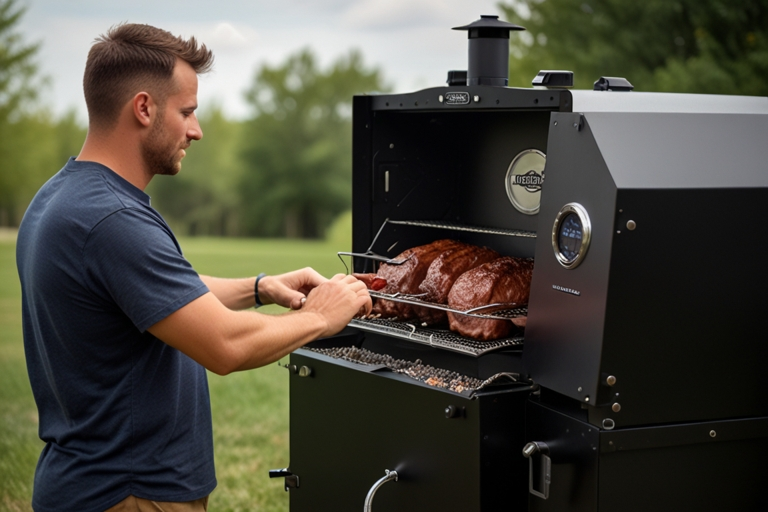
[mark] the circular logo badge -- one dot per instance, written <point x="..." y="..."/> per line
<point x="525" y="177"/>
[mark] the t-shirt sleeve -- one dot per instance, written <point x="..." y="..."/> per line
<point x="132" y="261"/>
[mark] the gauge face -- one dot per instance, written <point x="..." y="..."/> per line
<point x="571" y="234"/>
<point x="524" y="179"/>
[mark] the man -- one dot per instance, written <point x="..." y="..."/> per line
<point x="118" y="327"/>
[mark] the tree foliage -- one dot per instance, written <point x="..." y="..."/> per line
<point x="203" y="198"/>
<point x="33" y="144"/>
<point x="703" y="46"/>
<point x="297" y="147"/>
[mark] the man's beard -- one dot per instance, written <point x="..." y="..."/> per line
<point x="161" y="156"/>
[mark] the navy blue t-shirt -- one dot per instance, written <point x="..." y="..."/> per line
<point x="120" y="411"/>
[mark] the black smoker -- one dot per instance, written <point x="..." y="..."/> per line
<point x="642" y="380"/>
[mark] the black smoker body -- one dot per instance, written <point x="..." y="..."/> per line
<point x="641" y="382"/>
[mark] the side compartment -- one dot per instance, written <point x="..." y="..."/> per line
<point x="349" y="424"/>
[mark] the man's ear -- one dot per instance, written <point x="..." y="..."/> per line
<point x="144" y="108"/>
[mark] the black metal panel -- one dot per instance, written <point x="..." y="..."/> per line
<point x="574" y="454"/>
<point x="564" y="335"/>
<point x="477" y="98"/>
<point x="362" y="186"/>
<point x="684" y="334"/>
<point x="704" y="467"/>
<point x="349" y="425"/>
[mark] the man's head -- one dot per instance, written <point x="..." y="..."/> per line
<point x="133" y="58"/>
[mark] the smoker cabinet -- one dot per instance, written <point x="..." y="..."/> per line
<point x="702" y="466"/>
<point x="350" y="423"/>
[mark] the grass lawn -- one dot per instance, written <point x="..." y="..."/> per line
<point x="250" y="409"/>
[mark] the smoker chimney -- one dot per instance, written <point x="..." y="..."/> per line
<point x="488" y="51"/>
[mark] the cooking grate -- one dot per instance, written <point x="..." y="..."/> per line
<point x="430" y="375"/>
<point x="439" y="338"/>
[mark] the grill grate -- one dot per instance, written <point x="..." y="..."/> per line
<point x="434" y="337"/>
<point x="430" y="375"/>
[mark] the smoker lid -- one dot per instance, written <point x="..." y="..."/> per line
<point x="682" y="150"/>
<point x="610" y="101"/>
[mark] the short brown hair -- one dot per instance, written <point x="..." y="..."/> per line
<point x="131" y="58"/>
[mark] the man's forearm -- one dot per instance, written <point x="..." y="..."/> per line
<point x="235" y="294"/>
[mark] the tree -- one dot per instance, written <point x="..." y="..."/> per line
<point x="704" y="46"/>
<point x="297" y="147"/>
<point x="17" y="71"/>
<point x="203" y="199"/>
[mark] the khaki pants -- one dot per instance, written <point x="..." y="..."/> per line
<point x="134" y="504"/>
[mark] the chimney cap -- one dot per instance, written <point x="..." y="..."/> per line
<point x="490" y="22"/>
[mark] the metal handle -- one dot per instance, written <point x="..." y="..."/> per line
<point x="390" y="475"/>
<point x="539" y="468"/>
<point x="291" y="480"/>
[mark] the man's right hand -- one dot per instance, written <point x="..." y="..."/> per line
<point x="338" y="300"/>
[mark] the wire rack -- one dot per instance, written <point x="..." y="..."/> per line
<point x="438" y="338"/>
<point x="430" y="375"/>
<point x="497" y="311"/>
<point x="461" y="227"/>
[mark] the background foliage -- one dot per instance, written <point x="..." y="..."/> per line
<point x="694" y="46"/>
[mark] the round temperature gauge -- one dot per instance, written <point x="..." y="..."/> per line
<point x="571" y="234"/>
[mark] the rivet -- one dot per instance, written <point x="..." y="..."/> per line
<point x="579" y="390"/>
<point x="555" y="123"/>
<point x="440" y="98"/>
<point x="391" y="146"/>
<point x="712" y="433"/>
<point x="477" y="98"/>
<point x="616" y="407"/>
<point x="586" y="399"/>
<point x="631" y="225"/>
<point x="610" y="380"/>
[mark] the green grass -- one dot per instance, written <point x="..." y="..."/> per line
<point x="250" y="409"/>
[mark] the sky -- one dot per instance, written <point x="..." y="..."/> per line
<point x="410" y="41"/>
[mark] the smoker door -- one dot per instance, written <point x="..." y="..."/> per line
<point x="712" y="466"/>
<point x="349" y="425"/>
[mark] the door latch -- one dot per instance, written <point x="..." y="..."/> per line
<point x="539" y="468"/>
<point x="291" y="480"/>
